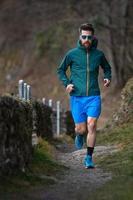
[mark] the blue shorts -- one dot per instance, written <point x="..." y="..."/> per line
<point x="84" y="107"/>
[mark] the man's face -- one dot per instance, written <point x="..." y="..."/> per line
<point x="86" y="38"/>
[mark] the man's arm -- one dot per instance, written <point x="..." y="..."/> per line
<point x="107" y="71"/>
<point x="61" y="70"/>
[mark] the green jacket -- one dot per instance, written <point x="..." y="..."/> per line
<point x="84" y="69"/>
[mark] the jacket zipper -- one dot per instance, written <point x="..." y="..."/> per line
<point x="87" y="81"/>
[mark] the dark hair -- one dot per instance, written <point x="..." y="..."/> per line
<point x="86" y="27"/>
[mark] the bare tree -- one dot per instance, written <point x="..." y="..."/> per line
<point x="115" y="16"/>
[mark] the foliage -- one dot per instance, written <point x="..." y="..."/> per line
<point x="52" y="41"/>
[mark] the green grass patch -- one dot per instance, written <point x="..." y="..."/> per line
<point x="120" y="135"/>
<point x="120" y="188"/>
<point x="119" y="163"/>
<point x="42" y="171"/>
<point x="63" y="139"/>
<point x="43" y="159"/>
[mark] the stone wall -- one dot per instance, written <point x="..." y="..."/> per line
<point x="42" y="117"/>
<point x="15" y="134"/>
<point x="18" y="121"/>
<point x="70" y="126"/>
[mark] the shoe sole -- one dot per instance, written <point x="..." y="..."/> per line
<point x="89" y="167"/>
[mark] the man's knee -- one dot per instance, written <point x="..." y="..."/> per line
<point x="80" y="128"/>
<point x="91" y="124"/>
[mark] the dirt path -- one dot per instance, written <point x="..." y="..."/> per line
<point x="76" y="183"/>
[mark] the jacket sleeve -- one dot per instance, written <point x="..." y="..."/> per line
<point x="106" y="67"/>
<point x="61" y="70"/>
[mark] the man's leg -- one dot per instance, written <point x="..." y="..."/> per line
<point x="91" y="139"/>
<point x="80" y="129"/>
<point x="79" y="119"/>
<point x="91" y="127"/>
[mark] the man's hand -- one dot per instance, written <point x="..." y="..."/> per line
<point x="106" y="82"/>
<point x="69" y="88"/>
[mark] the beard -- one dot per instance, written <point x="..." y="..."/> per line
<point x="87" y="44"/>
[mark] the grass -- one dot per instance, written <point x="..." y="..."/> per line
<point x="43" y="159"/>
<point x="119" y="163"/>
<point x="122" y="134"/>
<point x="42" y="171"/>
<point x="63" y="139"/>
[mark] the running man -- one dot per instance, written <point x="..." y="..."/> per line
<point x="82" y="85"/>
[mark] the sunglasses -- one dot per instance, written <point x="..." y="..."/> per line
<point x="87" y="37"/>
